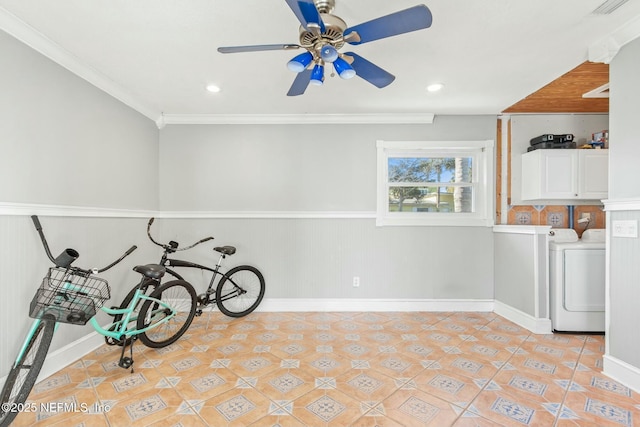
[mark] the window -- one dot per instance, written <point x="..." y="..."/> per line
<point x="435" y="183"/>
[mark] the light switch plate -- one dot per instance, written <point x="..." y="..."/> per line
<point x="625" y="228"/>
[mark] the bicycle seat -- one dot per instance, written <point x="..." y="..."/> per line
<point x="225" y="250"/>
<point x="152" y="271"/>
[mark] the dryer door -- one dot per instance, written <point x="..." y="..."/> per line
<point x="584" y="279"/>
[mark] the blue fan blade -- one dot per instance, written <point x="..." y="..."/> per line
<point x="300" y="83"/>
<point x="306" y="12"/>
<point x="405" y="21"/>
<point x="370" y="72"/>
<point x="257" y="48"/>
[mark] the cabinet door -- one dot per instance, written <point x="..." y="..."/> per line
<point x="559" y="174"/>
<point x="594" y="174"/>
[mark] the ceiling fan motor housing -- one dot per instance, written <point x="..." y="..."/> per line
<point x="334" y="28"/>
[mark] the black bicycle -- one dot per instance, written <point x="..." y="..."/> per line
<point x="239" y="290"/>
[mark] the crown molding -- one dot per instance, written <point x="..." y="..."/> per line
<point x="607" y="48"/>
<point x="265" y="119"/>
<point x="28" y="35"/>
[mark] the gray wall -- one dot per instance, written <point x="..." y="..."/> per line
<point x="326" y="167"/>
<point x="624" y="108"/>
<point x="515" y="283"/>
<point x="64" y="142"/>
<point x="624" y="253"/>
<point x="293" y="169"/>
<point x="317" y="258"/>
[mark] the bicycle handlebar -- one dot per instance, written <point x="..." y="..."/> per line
<point x="68" y="256"/>
<point x="173" y="246"/>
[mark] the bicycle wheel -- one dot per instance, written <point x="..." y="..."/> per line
<point x="240" y="291"/>
<point x="181" y="296"/>
<point x="147" y="288"/>
<point x="24" y="373"/>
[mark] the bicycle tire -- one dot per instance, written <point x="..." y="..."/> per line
<point x="24" y="374"/>
<point x="181" y="296"/>
<point x="149" y="283"/>
<point x="240" y="291"/>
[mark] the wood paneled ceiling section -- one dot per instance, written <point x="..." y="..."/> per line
<point x="564" y="94"/>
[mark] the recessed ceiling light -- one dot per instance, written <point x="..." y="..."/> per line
<point x="213" y="88"/>
<point x="435" y="87"/>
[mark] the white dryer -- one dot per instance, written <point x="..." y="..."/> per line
<point x="577" y="281"/>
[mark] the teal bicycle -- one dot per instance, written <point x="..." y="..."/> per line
<point x="73" y="295"/>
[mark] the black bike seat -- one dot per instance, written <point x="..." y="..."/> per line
<point x="152" y="271"/>
<point x="226" y="250"/>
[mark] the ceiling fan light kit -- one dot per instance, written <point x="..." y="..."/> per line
<point x="300" y="62"/>
<point x="328" y="53"/>
<point x="317" y="75"/>
<point x="344" y="70"/>
<point x="323" y="34"/>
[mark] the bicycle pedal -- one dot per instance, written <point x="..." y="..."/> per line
<point x="125" y="362"/>
<point x="198" y="313"/>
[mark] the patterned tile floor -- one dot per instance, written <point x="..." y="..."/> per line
<point x="343" y="369"/>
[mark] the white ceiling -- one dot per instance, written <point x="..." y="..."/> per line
<point x="158" y="55"/>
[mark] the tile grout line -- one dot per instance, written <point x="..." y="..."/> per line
<point x="490" y="380"/>
<point x="568" y="387"/>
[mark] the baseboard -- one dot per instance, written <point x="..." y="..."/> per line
<point x="351" y="304"/>
<point x="622" y="372"/>
<point x="534" y="324"/>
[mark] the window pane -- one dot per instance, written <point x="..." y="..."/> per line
<point x="429" y="169"/>
<point x="431" y="199"/>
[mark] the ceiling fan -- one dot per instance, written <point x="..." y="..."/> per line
<point x="323" y="34"/>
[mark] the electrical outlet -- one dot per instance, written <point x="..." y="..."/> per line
<point x="625" y="228"/>
<point x="356" y="281"/>
<point x="585" y="215"/>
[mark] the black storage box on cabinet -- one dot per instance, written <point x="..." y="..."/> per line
<point x="548" y="140"/>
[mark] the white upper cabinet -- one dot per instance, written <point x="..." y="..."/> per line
<point x="593" y="170"/>
<point x="565" y="174"/>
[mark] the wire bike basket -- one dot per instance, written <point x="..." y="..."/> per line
<point x="70" y="295"/>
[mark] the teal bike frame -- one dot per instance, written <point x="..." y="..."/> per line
<point x="117" y="330"/>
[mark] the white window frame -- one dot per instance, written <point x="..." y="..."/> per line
<point x="482" y="182"/>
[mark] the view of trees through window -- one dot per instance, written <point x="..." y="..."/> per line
<point x="430" y="184"/>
